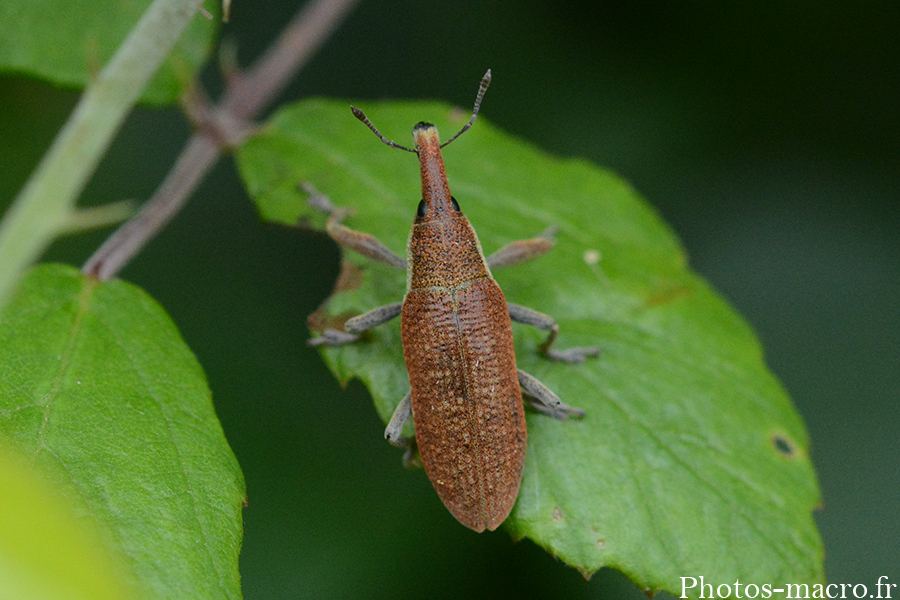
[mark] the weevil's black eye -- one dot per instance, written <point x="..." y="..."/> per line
<point x="423" y="209"/>
<point x="454" y="204"/>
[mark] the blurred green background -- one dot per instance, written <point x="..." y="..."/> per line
<point x="767" y="134"/>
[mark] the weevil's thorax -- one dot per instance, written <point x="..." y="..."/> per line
<point x="443" y="249"/>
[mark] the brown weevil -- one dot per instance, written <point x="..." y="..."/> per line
<point x="465" y="393"/>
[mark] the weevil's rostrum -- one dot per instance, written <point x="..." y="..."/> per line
<point x="465" y="397"/>
<point x="443" y="249"/>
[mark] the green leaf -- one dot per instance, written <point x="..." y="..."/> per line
<point x="691" y="460"/>
<point x="45" y="552"/>
<point x="99" y="391"/>
<point x="67" y="42"/>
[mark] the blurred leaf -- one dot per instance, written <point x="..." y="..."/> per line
<point x="99" y="391"/>
<point x="45" y="553"/>
<point x="67" y="42"/>
<point x="691" y="460"/>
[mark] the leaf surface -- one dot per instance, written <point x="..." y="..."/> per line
<point x="67" y="42"/>
<point x="101" y="394"/>
<point x="691" y="459"/>
<point x="45" y="552"/>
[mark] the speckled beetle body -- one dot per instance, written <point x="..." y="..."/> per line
<point x="465" y="390"/>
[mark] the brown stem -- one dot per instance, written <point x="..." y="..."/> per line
<point x="303" y="36"/>
<point x="221" y="127"/>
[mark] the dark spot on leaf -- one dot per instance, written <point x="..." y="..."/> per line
<point x="349" y="278"/>
<point x="669" y="294"/>
<point x="317" y="320"/>
<point x="783" y="445"/>
<point x="600" y="541"/>
<point x="304" y="223"/>
<point x="320" y="320"/>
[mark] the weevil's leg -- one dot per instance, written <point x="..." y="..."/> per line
<point x="358" y="324"/>
<point x="333" y="337"/>
<point x="392" y="433"/>
<point x="373" y="318"/>
<point x="542" y="398"/>
<point x="411" y="458"/>
<point x="402" y="414"/>
<point x="366" y="244"/>
<point x="521" y="250"/>
<point x="529" y="316"/>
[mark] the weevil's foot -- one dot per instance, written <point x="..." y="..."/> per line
<point x="565" y="411"/>
<point x="411" y="458"/>
<point x="397" y="440"/>
<point x="572" y="355"/>
<point x="316" y="198"/>
<point x="549" y="233"/>
<point x="320" y="201"/>
<point x="392" y="434"/>
<point x="560" y="411"/>
<point x="333" y="337"/>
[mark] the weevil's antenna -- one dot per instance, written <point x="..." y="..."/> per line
<point x="485" y="82"/>
<point x="362" y="117"/>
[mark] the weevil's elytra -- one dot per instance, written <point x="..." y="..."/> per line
<point x="466" y="402"/>
<point x="465" y="395"/>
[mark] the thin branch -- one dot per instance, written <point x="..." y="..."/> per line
<point x="195" y="160"/>
<point x="222" y="127"/>
<point x="283" y="60"/>
<point x="82" y="219"/>
<point x="46" y="202"/>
